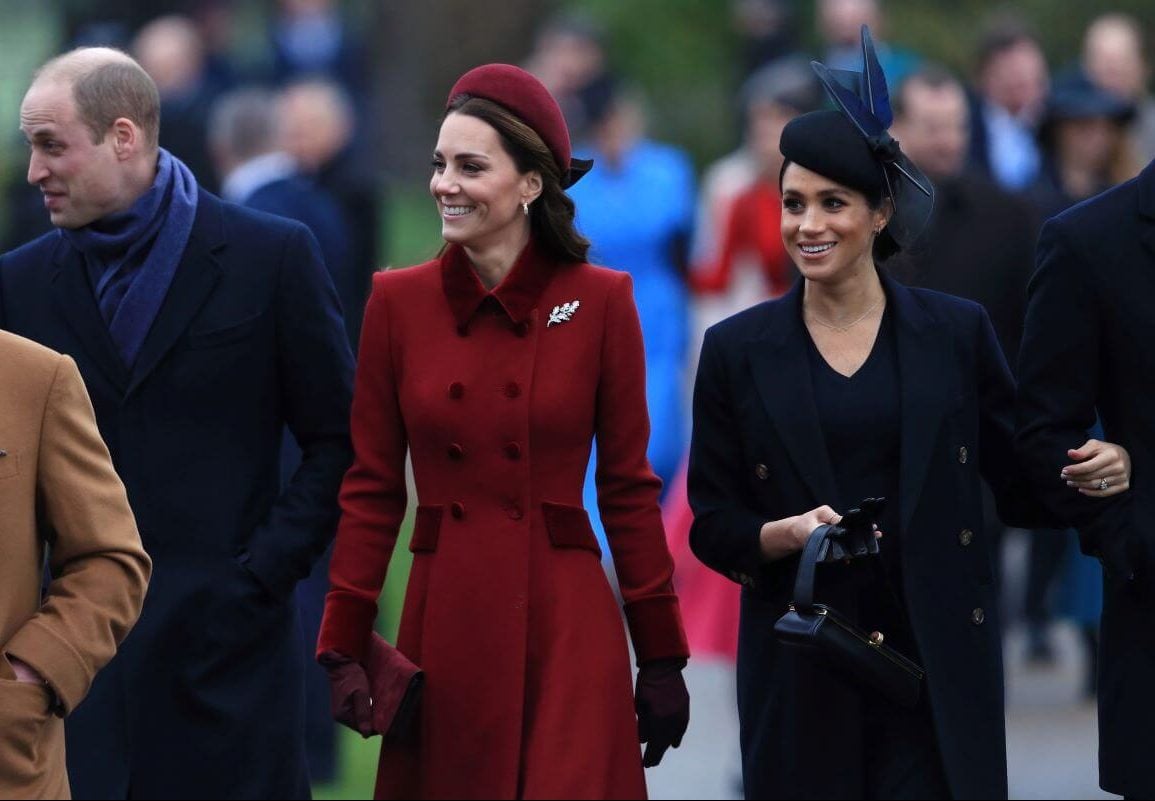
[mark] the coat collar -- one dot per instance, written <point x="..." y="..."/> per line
<point x="195" y="277"/>
<point x="518" y="293"/>
<point x="781" y="373"/>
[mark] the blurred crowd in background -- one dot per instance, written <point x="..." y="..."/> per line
<point x="1015" y="115"/>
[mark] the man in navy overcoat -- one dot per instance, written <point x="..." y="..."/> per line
<point x="202" y="329"/>
<point x="1087" y="351"/>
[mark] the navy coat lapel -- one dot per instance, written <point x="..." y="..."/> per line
<point x="926" y="366"/>
<point x="1147" y="208"/>
<point x="781" y="372"/>
<point x="76" y="303"/>
<point x="196" y="276"/>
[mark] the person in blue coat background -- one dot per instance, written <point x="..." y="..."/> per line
<point x="201" y="329"/>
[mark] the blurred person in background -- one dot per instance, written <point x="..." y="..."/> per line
<point x="767" y="31"/>
<point x="313" y="38"/>
<point x="853" y="386"/>
<point x="839" y="23"/>
<point x="254" y="172"/>
<point x="569" y="57"/>
<point x="316" y="122"/>
<point x="1084" y="144"/>
<point x="636" y="210"/>
<point x="1115" y="58"/>
<point x="1011" y="92"/>
<point x="201" y="329"/>
<point x="494" y="367"/>
<point x="173" y="54"/>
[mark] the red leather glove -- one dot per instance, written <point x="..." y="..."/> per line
<point x="349" y="697"/>
<point x="663" y="706"/>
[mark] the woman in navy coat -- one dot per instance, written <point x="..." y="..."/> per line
<point x="853" y="386"/>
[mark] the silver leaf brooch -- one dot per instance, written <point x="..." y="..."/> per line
<point x="563" y="313"/>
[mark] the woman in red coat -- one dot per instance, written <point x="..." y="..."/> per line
<point x="494" y="367"/>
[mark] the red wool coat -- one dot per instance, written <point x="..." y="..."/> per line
<point x="497" y="397"/>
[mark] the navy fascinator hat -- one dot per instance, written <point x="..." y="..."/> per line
<point x="853" y="146"/>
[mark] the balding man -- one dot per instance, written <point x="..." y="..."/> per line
<point x="202" y="329"/>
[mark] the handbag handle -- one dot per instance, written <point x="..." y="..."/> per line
<point x="804" y="583"/>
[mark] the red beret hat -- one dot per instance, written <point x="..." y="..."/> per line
<point x="528" y="99"/>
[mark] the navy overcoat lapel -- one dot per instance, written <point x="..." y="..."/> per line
<point x="781" y="373"/>
<point x="927" y="374"/>
<point x="196" y="276"/>
<point x="74" y="299"/>
<point x="780" y="369"/>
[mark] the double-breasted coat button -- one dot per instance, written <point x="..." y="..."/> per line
<point x="513" y="450"/>
<point x="514" y="512"/>
<point x="512" y="389"/>
<point x="978" y="616"/>
<point x="521" y="329"/>
<point x="457" y="390"/>
<point x="457" y="509"/>
<point x="966" y="537"/>
<point x="963" y="454"/>
<point x="762" y="471"/>
<point x="455" y="451"/>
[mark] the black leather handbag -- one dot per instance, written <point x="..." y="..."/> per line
<point x="863" y="657"/>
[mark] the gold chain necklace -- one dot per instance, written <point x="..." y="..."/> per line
<point x="849" y="325"/>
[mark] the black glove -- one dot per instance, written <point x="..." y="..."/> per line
<point x="349" y="698"/>
<point x="854" y="536"/>
<point x="663" y="706"/>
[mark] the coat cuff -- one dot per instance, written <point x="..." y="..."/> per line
<point x="66" y="672"/>
<point x="655" y="625"/>
<point x="346" y="626"/>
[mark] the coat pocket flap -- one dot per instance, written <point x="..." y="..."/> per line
<point x="569" y="527"/>
<point x="426" y="529"/>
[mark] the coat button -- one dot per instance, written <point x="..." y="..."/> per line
<point x="762" y="471"/>
<point x="463" y="330"/>
<point x="457" y="390"/>
<point x="457" y="509"/>
<point x="963" y="454"/>
<point x="521" y="329"/>
<point x="455" y="451"/>
<point x="514" y="511"/>
<point x="512" y="389"/>
<point x="966" y="537"/>
<point x="978" y="616"/>
<point x="513" y="450"/>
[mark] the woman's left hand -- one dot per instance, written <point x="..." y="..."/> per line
<point x="1101" y="469"/>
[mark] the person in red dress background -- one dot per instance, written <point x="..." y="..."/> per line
<point x="494" y="367"/>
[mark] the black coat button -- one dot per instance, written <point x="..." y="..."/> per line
<point x="457" y="390"/>
<point x="521" y="329"/>
<point x="512" y="390"/>
<point x="963" y="454"/>
<point x="978" y="616"/>
<point x="455" y="451"/>
<point x="966" y="537"/>
<point x="513" y="450"/>
<point x="762" y="471"/>
<point x="457" y="509"/>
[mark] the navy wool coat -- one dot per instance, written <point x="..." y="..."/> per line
<point x="205" y="698"/>
<point x="1087" y="352"/>
<point x="757" y="454"/>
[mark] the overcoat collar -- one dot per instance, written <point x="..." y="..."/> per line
<point x="517" y="294"/>
<point x="781" y="373"/>
<point x="195" y="277"/>
<point x="1146" y="195"/>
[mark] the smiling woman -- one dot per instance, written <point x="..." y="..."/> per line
<point x="851" y="387"/>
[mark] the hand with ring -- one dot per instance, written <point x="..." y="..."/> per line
<point x="1100" y="469"/>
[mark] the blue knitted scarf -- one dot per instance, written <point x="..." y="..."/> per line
<point x="132" y="255"/>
